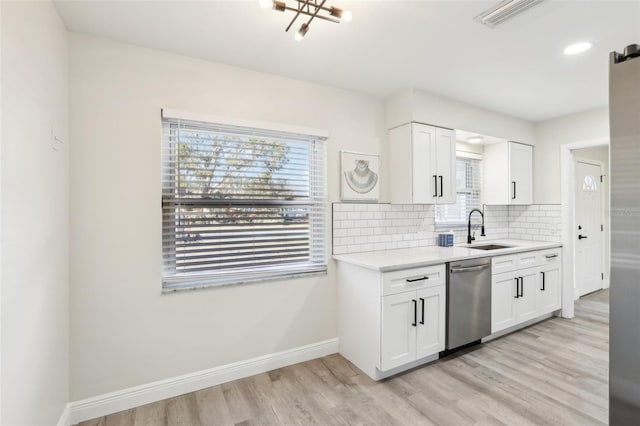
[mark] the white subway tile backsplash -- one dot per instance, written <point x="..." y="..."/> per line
<point x="365" y="227"/>
<point x="383" y="226"/>
<point x="339" y="232"/>
<point x="538" y="222"/>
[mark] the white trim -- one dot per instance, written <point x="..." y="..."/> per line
<point x="233" y="121"/>
<point x="65" y="417"/>
<point x="125" y="399"/>
<point x="468" y="154"/>
<point x="567" y="209"/>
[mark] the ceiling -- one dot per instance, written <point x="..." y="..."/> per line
<point x="516" y="68"/>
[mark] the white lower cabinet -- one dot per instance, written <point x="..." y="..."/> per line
<point x="391" y="320"/>
<point x="521" y="295"/>
<point x="431" y="325"/>
<point x="504" y="289"/>
<point x="550" y="295"/>
<point x="413" y="326"/>
<point x="513" y="298"/>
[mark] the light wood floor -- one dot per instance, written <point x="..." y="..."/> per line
<point x="554" y="372"/>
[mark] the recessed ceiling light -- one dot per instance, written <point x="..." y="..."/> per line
<point x="475" y="139"/>
<point x="576" y="48"/>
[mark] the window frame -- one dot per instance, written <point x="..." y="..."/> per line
<point x="441" y="225"/>
<point x="316" y="204"/>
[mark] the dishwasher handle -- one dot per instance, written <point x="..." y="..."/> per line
<point x="455" y="270"/>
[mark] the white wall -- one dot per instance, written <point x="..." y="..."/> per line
<point x="34" y="215"/>
<point x="550" y="134"/>
<point x="124" y="332"/>
<point x="418" y="105"/>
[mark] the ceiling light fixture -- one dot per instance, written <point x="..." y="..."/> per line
<point x="576" y="48"/>
<point x="475" y="139"/>
<point x="505" y="11"/>
<point x="312" y="8"/>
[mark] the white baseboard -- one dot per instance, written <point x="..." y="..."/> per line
<point x="113" y="402"/>
<point x="65" y="417"/>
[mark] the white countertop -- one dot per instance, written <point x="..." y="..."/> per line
<point x="390" y="260"/>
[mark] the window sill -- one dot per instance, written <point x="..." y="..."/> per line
<point x="453" y="227"/>
<point x="175" y="288"/>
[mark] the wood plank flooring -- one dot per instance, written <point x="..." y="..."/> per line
<point x="554" y="372"/>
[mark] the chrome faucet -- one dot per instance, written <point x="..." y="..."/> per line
<point x="469" y="237"/>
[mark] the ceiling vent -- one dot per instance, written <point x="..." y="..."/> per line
<point x="505" y="11"/>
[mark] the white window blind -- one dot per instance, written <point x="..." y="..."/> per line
<point x="240" y="204"/>
<point x="468" y="193"/>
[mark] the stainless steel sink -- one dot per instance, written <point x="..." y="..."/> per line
<point x="488" y="247"/>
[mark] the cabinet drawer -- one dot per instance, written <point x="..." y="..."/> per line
<point x="413" y="279"/>
<point x="528" y="259"/>
<point x="511" y="262"/>
<point x="500" y="264"/>
<point x="550" y="256"/>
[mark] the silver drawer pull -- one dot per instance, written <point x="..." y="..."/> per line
<point x="417" y="279"/>
<point x="550" y="256"/>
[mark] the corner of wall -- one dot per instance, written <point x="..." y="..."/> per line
<point x="34" y="264"/>
<point x="399" y="108"/>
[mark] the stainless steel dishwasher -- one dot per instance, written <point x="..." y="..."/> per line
<point x="468" y="301"/>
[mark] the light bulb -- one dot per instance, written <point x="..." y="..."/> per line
<point x="265" y="4"/>
<point x="347" y="16"/>
<point x="301" y="32"/>
<point x="576" y="48"/>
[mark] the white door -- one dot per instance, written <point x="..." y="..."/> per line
<point x="589" y="227"/>
<point x="520" y="170"/>
<point x="431" y="320"/>
<point x="399" y="323"/>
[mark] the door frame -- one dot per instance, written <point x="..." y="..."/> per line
<point x="602" y="210"/>
<point x="567" y="175"/>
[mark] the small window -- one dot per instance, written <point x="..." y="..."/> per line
<point x="468" y="192"/>
<point x="240" y="204"/>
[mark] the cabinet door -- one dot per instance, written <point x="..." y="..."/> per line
<point x="425" y="179"/>
<point x="550" y="296"/>
<point x="526" y="306"/>
<point x="445" y="166"/>
<point x="521" y="173"/>
<point x="503" y="293"/>
<point x="431" y="321"/>
<point x="399" y="313"/>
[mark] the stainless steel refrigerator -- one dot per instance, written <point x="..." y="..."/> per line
<point x="624" y="118"/>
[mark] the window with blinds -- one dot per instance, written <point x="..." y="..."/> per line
<point x="240" y="204"/>
<point x="468" y="193"/>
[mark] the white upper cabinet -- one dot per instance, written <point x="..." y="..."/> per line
<point x="422" y="164"/>
<point x="508" y="173"/>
